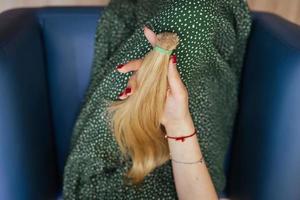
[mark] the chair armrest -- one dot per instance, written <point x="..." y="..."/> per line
<point x="265" y="161"/>
<point x="27" y="159"/>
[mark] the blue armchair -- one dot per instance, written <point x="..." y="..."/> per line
<point x="45" y="60"/>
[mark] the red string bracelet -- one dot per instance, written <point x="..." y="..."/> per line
<point x="181" y="137"/>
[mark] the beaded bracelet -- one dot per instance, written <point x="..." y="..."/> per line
<point x="181" y="137"/>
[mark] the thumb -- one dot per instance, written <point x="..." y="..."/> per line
<point x="177" y="87"/>
<point x="150" y="35"/>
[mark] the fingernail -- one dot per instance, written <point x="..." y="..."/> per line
<point x="121" y="94"/>
<point x="174" y="59"/>
<point x="120" y="66"/>
<point x="127" y="90"/>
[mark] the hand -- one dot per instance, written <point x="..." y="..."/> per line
<point x="134" y="65"/>
<point x="176" y="115"/>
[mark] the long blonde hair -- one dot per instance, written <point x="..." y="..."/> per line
<point x="136" y="119"/>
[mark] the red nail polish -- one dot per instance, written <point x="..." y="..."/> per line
<point x="120" y="66"/>
<point x="127" y="90"/>
<point x="174" y="59"/>
<point x="121" y="94"/>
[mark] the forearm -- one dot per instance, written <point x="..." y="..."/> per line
<point x="192" y="180"/>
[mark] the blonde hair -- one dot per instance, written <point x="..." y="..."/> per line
<point x="136" y="119"/>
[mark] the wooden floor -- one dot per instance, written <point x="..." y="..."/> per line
<point x="289" y="9"/>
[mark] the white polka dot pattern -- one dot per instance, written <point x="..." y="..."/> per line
<point x="213" y="35"/>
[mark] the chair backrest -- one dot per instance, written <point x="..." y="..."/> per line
<point x="27" y="154"/>
<point x="265" y="161"/>
<point x="68" y="35"/>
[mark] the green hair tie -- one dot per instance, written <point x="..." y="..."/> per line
<point x="161" y="50"/>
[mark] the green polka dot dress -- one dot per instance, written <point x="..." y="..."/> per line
<point x="213" y="35"/>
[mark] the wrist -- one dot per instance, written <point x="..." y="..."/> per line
<point x="180" y="128"/>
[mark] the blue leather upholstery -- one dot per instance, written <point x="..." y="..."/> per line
<point x="265" y="161"/>
<point x="68" y="39"/>
<point x="27" y="154"/>
<point x="45" y="60"/>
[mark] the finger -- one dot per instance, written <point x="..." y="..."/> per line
<point x="122" y="95"/>
<point x="177" y="87"/>
<point x="132" y="65"/>
<point x="150" y="35"/>
<point x="168" y="93"/>
<point x="132" y="85"/>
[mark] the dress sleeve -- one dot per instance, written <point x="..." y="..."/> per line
<point x="91" y="179"/>
<point x="210" y="53"/>
<point x="117" y="20"/>
<point x="209" y="61"/>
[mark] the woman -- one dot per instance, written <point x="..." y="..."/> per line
<point x="213" y="35"/>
